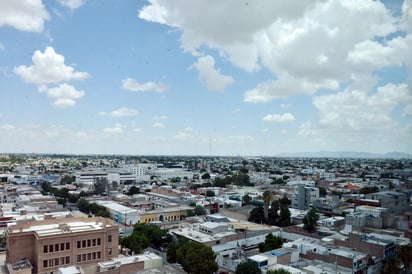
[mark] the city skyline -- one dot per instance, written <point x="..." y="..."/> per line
<point x="189" y="78"/>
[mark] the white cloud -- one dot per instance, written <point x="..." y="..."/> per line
<point x="64" y="95"/>
<point x="24" y="15"/>
<point x="2" y="47"/>
<point x="136" y="129"/>
<point x="160" y="117"/>
<point x="113" y="130"/>
<point x="133" y="85"/>
<point x="285" y="106"/>
<point x="72" y="4"/>
<point x="7" y="127"/>
<point x="182" y="135"/>
<point x="307" y="129"/>
<point x="264" y="130"/>
<point x="300" y="42"/>
<point x="211" y="76"/>
<point x="357" y="110"/>
<point x="121" y="112"/>
<point x="47" y="68"/>
<point x="158" y="125"/>
<point x="286" y="117"/>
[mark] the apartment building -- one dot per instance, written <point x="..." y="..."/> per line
<point x="54" y="243"/>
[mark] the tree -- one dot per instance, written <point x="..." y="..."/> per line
<point x="100" y="185"/>
<point x="271" y="242"/>
<point x="267" y="197"/>
<point x="196" y="258"/>
<point x="210" y="193"/>
<point x="171" y="252"/>
<point x="284" y="216"/>
<point x="322" y="191"/>
<point x="310" y="220"/>
<point x="247" y="268"/>
<point x="391" y="265"/>
<point x="67" y="179"/>
<point x="156" y="236"/>
<point x="257" y="215"/>
<point x="368" y="190"/>
<point x="205" y="176"/>
<point x="200" y="210"/>
<point x="133" y="190"/>
<point x="135" y="242"/>
<point x="284" y="200"/>
<point x="278" y="271"/>
<point x="246" y="199"/>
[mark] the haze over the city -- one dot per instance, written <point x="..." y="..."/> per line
<point x="190" y="77"/>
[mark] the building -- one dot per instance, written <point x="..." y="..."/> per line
<point x="304" y="196"/>
<point x="396" y="202"/>
<point x="54" y="243"/>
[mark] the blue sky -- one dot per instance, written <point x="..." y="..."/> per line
<point x="190" y="78"/>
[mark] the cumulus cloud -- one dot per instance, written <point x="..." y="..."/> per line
<point x="114" y="130"/>
<point x="286" y="117"/>
<point x="121" y="112"/>
<point x="307" y="129"/>
<point x="300" y="42"/>
<point x="24" y="15"/>
<point x="158" y="125"/>
<point x="72" y="4"/>
<point x="7" y="127"/>
<point x="64" y="95"/>
<point x="160" y="117"/>
<point x="211" y="76"/>
<point x="48" y="68"/>
<point x="133" y="85"/>
<point x="357" y="110"/>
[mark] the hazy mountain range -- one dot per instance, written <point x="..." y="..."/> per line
<point x="347" y="154"/>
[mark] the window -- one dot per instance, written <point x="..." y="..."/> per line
<point x="44" y="263"/>
<point x="98" y="241"/>
<point x="56" y="247"/>
<point x="78" y="244"/>
<point x="109" y="238"/>
<point x="67" y="259"/>
<point x="109" y="251"/>
<point x="94" y="255"/>
<point x="84" y="243"/>
<point x="79" y="258"/>
<point x="98" y="255"/>
<point x="51" y="248"/>
<point x="67" y="246"/>
<point x="56" y="261"/>
<point x="89" y="243"/>
<point x="61" y="260"/>
<point x="62" y="246"/>
<point x="45" y="249"/>
<point x="83" y="257"/>
<point x="94" y="242"/>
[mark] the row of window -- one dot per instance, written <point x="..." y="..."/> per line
<point x="56" y="247"/>
<point x="89" y="243"/>
<point x="89" y="256"/>
<point x="56" y="262"/>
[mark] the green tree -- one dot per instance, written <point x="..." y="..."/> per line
<point x="205" y="176"/>
<point x="248" y="268"/>
<point x="391" y="265"/>
<point x="100" y="185"/>
<point x="284" y="200"/>
<point x="136" y="242"/>
<point x="171" y="252"/>
<point x="310" y="220"/>
<point x="246" y="199"/>
<point x="257" y="215"/>
<point x="271" y="242"/>
<point x="278" y="271"/>
<point x="322" y="191"/>
<point x="67" y="179"/>
<point x="133" y="190"/>
<point x="284" y="216"/>
<point x="196" y="258"/>
<point x="156" y="236"/>
<point x="200" y="210"/>
<point x="210" y="193"/>
<point x="267" y="197"/>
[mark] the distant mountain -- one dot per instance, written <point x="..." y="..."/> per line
<point x="346" y="154"/>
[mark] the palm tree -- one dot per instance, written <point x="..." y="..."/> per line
<point x="267" y="197"/>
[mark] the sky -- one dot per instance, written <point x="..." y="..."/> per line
<point x="201" y="77"/>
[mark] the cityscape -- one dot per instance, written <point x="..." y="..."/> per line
<point x="205" y="137"/>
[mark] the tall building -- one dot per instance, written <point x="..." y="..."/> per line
<point x="304" y="196"/>
<point x="54" y="243"/>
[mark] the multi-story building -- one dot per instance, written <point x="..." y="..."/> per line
<point x="396" y="202"/>
<point x="54" y="243"/>
<point x="304" y="196"/>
